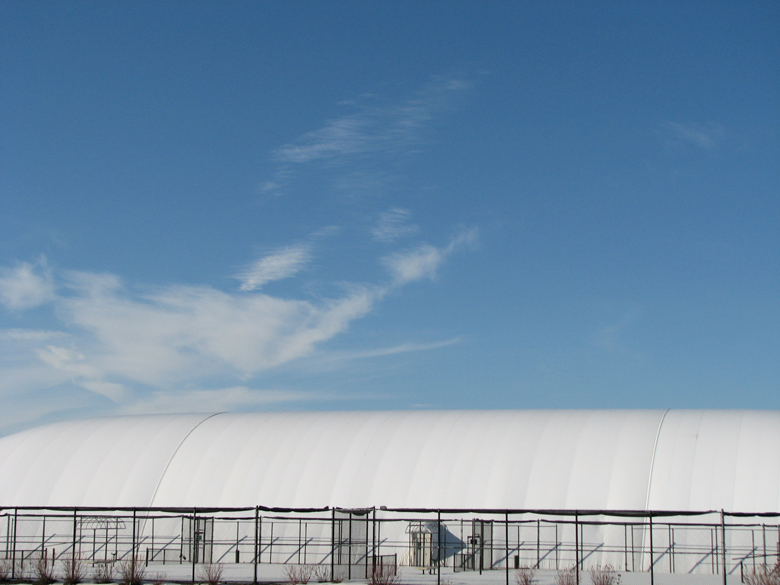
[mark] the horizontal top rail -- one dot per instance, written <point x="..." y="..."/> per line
<point x="368" y="510"/>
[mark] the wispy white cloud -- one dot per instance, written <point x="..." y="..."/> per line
<point x="116" y="341"/>
<point x="610" y="337"/>
<point x="26" y="285"/>
<point x="133" y="349"/>
<point x="121" y="343"/>
<point x="344" y="136"/>
<point x="373" y="132"/>
<point x="44" y="402"/>
<point x="81" y="373"/>
<point x="705" y="137"/>
<point x="613" y="338"/>
<point x="423" y="261"/>
<point x="30" y="388"/>
<point x="326" y="232"/>
<point x="283" y="263"/>
<point x="33" y="335"/>
<point x="179" y="333"/>
<point x="392" y="225"/>
<point x="236" y="398"/>
<point x="394" y="350"/>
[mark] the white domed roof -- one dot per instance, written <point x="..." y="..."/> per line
<point x="522" y="459"/>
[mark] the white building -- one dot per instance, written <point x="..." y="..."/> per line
<point x="678" y="460"/>
<point x="459" y="489"/>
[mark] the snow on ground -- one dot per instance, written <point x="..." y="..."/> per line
<point x="276" y="573"/>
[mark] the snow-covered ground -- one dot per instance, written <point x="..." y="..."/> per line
<point x="276" y="573"/>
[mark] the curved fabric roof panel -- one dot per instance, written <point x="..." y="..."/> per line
<point x="534" y="459"/>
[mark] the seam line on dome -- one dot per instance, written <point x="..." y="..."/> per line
<point x="652" y="459"/>
<point x="167" y="465"/>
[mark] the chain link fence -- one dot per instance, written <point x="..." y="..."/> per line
<point x="260" y="544"/>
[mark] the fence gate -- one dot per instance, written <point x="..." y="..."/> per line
<point x="100" y="534"/>
<point x="197" y="538"/>
<point x="480" y="546"/>
<point x="351" y="545"/>
<point x="422" y="544"/>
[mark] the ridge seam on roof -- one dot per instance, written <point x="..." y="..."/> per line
<point x="176" y="450"/>
<point x="652" y="459"/>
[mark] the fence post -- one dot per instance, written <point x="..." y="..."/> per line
<point x="625" y="547"/>
<point x="577" y="546"/>
<point x="723" y="534"/>
<point x="13" y="550"/>
<point x="132" y="549"/>
<point x="482" y="544"/>
<point x="538" y="543"/>
<point x="373" y="541"/>
<point x="349" y="548"/>
<point x="73" y="552"/>
<point x="332" y="544"/>
<point x="438" y="548"/>
<point x="506" y="543"/>
<point x="652" y="560"/>
<point x="257" y="545"/>
<point x="194" y="541"/>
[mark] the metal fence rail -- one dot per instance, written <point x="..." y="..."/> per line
<point x="352" y="544"/>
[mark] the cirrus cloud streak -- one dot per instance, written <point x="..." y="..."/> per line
<point x="140" y="348"/>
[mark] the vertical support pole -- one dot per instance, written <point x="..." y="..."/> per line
<point x="652" y="563"/>
<point x="373" y="542"/>
<point x="723" y="535"/>
<point x="625" y="547"/>
<point x="577" y="546"/>
<point x="714" y="552"/>
<point x="194" y="542"/>
<point x="763" y="535"/>
<point x="13" y="550"/>
<point x="506" y="545"/>
<point x="257" y="545"/>
<point x="332" y="544"/>
<point x="271" y="545"/>
<point x="300" y="526"/>
<point x="438" y="548"/>
<point x="481" y="525"/>
<point x="753" y="554"/>
<point x="132" y="549"/>
<point x="349" y="549"/>
<point x="75" y="534"/>
<point x="538" y="542"/>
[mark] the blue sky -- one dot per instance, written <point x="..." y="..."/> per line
<point x="211" y="206"/>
